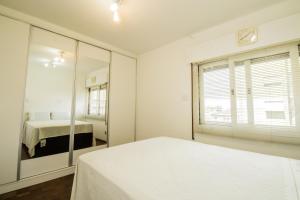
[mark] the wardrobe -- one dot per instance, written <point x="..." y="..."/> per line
<point x="60" y="98"/>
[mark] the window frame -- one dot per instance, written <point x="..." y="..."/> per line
<point x="233" y="128"/>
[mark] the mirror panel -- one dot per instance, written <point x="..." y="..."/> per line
<point x="92" y="83"/>
<point x="48" y="103"/>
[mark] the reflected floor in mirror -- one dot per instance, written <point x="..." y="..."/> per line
<point x="100" y="142"/>
<point x="58" y="189"/>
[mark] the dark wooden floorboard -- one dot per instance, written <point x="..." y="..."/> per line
<point x="57" y="189"/>
<point x="100" y="142"/>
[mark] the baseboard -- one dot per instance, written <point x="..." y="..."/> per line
<point x="26" y="182"/>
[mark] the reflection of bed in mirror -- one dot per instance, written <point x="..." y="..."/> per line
<point x="45" y="135"/>
<point x="52" y="93"/>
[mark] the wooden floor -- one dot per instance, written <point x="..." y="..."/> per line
<point x="58" y="189"/>
<point x="100" y="142"/>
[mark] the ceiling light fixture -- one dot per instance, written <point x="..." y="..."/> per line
<point x="56" y="61"/>
<point x="114" y="7"/>
<point x="253" y="38"/>
<point x="116" y="17"/>
<point x="60" y="59"/>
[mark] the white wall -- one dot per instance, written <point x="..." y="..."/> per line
<point x="164" y="74"/>
<point x="164" y="93"/>
<point x="49" y="89"/>
<point x="100" y="75"/>
<point x="122" y="95"/>
<point x="99" y="128"/>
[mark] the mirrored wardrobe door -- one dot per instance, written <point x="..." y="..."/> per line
<point x="92" y="79"/>
<point x="48" y="103"/>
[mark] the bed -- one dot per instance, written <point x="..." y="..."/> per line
<point x="174" y="169"/>
<point x="52" y="136"/>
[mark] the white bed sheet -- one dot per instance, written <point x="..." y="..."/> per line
<point x="173" y="169"/>
<point x="32" y="131"/>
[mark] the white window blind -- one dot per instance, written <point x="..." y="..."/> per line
<point x="217" y="94"/>
<point x="273" y="99"/>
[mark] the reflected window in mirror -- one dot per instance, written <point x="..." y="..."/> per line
<point x="97" y="100"/>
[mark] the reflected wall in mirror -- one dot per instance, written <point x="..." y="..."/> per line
<point x="48" y="103"/>
<point x="92" y="83"/>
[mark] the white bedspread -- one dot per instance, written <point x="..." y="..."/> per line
<point x="35" y="131"/>
<point x="173" y="169"/>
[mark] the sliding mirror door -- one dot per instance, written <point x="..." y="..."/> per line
<point x="92" y="79"/>
<point x="48" y="103"/>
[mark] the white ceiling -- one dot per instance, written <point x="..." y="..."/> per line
<point x="145" y="25"/>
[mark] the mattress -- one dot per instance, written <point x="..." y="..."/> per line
<point x="35" y="131"/>
<point x="174" y="169"/>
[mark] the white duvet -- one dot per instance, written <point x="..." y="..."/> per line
<point x="173" y="169"/>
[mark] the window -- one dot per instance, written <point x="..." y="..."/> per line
<point x="257" y="90"/>
<point x="97" y="100"/>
